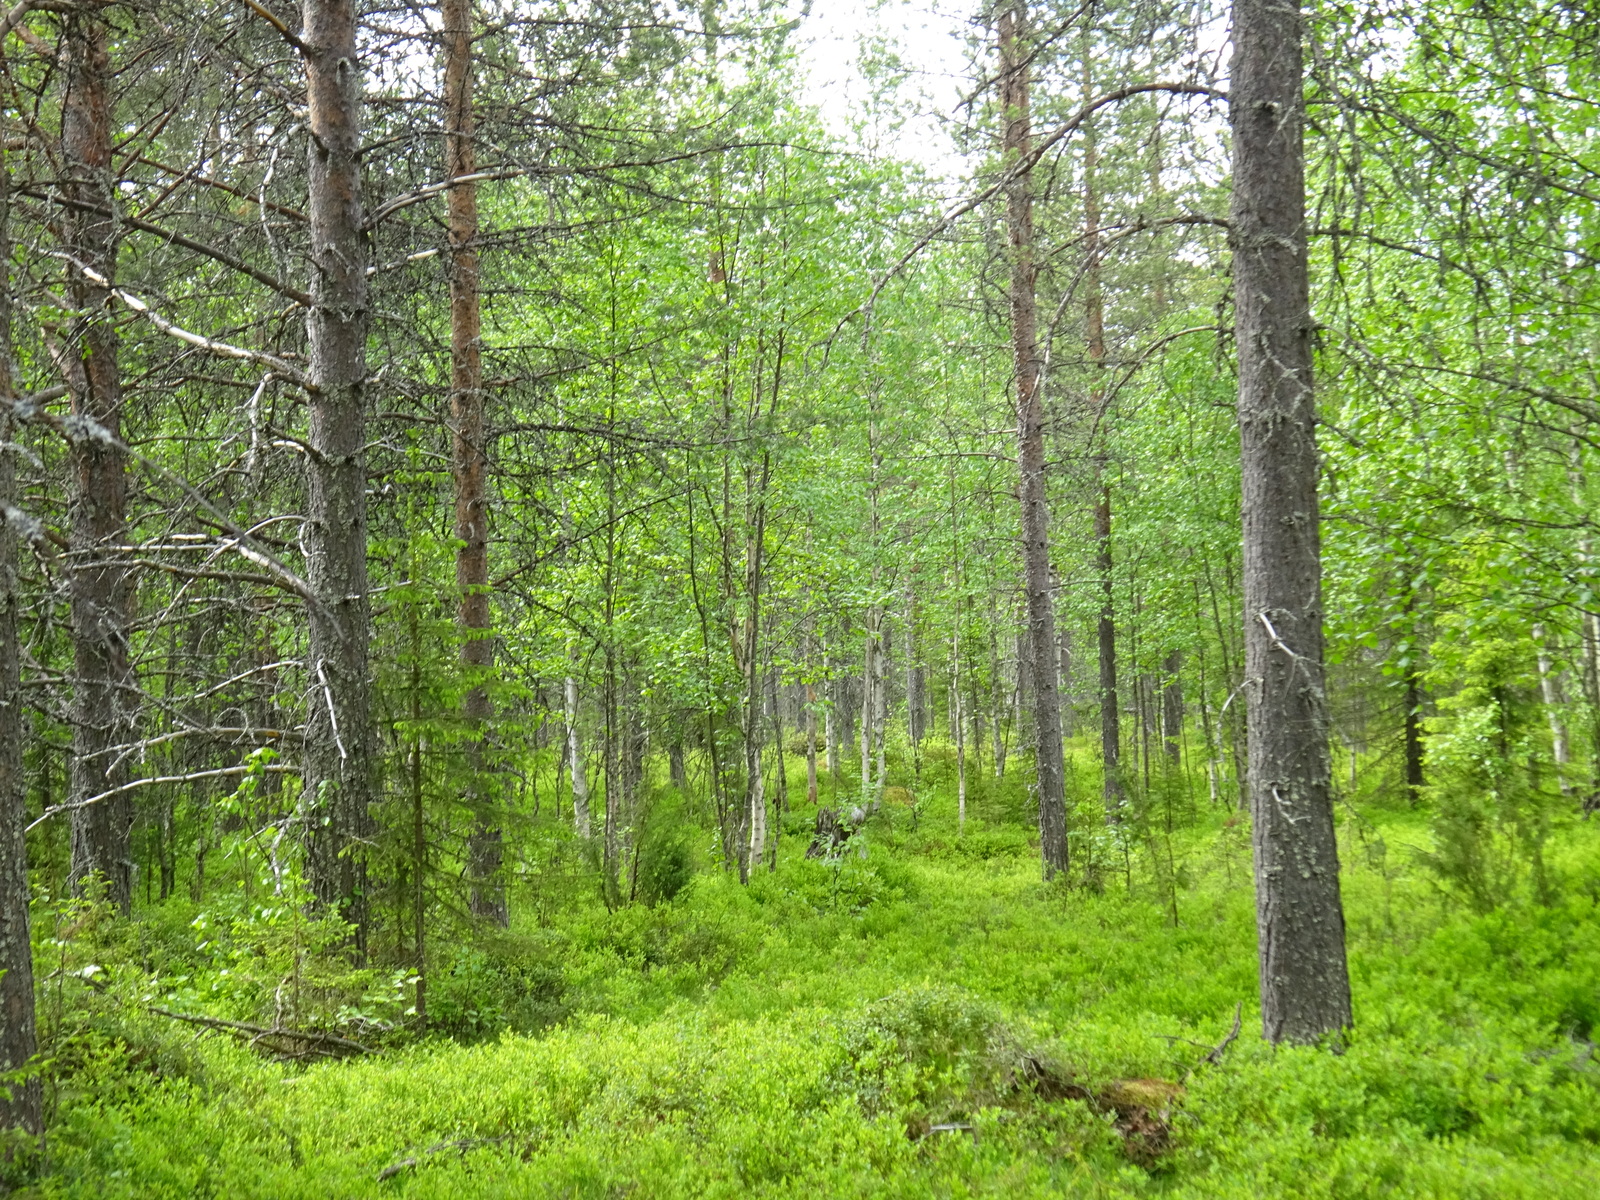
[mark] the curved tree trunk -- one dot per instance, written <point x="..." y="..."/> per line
<point x="1305" y="984"/>
<point x="338" y="739"/>
<point x="1048" y="754"/>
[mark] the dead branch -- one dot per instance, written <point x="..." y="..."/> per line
<point x="315" y="1041"/>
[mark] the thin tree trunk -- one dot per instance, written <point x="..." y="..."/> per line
<point x="880" y="712"/>
<point x="1048" y="755"/>
<point x="1413" y="736"/>
<point x="1550" y="694"/>
<point x="869" y="699"/>
<point x="782" y="771"/>
<point x="338" y="739"/>
<point x="104" y="697"/>
<point x="419" y="838"/>
<point x="960" y="730"/>
<point x="469" y="464"/>
<point x="811" y="743"/>
<point x="20" y="1104"/>
<point x="830" y="726"/>
<point x="1172" y="708"/>
<point x="1113" y="792"/>
<point x="677" y="768"/>
<point x="1067" y="718"/>
<point x="1305" y="982"/>
<point x="580" y="780"/>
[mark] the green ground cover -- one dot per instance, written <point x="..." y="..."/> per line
<point x="810" y="1034"/>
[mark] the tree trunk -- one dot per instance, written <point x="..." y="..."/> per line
<point x="830" y="720"/>
<point x="1550" y="694"/>
<point x="956" y="718"/>
<point x="781" y="770"/>
<point x="869" y="699"/>
<point x="1413" y="736"/>
<point x="811" y="744"/>
<point x="104" y="697"/>
<point x="580" y="780"/>
<point x="1048" y="758"/>
<point x="338" y="739"/>
<point x="1066" y="684"/>
<point x="469" y="465"/>
<point x="1172" y="708"/>
<point x="20" y="1105"/>
<point x="1305" y="983"/>
<point x="1113" y="792"/>
<point x="677" y="768"/>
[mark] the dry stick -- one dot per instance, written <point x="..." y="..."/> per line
<point x="257" y="1032"/>
<point x="279" y="366"/>
<point x="23" y="7"/>
<point x="1214" y="1055"/>
<point x="1221" y="1047"/>
<point x="173" y="236"/>
<point x="462" y="1144"/>
<point x="1021" y="167"/>
<point x="243" y="769"/>
<point x="77" y="428"/>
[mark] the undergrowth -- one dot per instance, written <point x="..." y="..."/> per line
<point x="921" y="1017"/>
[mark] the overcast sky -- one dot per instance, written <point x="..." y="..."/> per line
<point x="928" y="34"/>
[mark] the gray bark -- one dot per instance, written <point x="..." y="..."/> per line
<point x="1048" y="754"/>
<point x="20" y="1108"/>
<point x="338" y="739"/>
<point x="1172" y="708"/>
<point x="580" y="780"/>
<point x="104" y="697"/>
<point x="1305" y="985"/>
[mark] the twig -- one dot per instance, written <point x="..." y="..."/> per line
<point x="1276" y="640"/>
<point x="333" y="717"/>
<point x="1221" y="1047"/>
<point x="257" y="1032"/>
<point x="463" y="1144"/>
<point x="283" y="768"/>
<point x="1214" y="1055"/>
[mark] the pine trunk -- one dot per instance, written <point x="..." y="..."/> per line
<point x="338" y="739"/>
<point x="1048" y="755"/>
<point x="20" y="1106"/>
<point x="469" y="464"/>
<point x="104" y="696"/>
<point x="1305" y="985"/>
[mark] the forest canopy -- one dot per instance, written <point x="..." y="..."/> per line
<point x="580" y="615"/>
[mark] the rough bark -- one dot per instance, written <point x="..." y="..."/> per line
<point x="1413" y="736"/>
<point x="20" y="1106"/>
<point x="1048" y="755"/>
<point x="104" y="699"/>
<point x="1305" y="986"/>
<point x="1172" y="708"/>
<point x="469" y="464"/>
<point x="1113" y="792"/>
<point x="338" y="739"/>
<point x="677" y="767"/>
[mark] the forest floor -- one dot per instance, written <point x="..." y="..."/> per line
<point x="922" y="1018"/>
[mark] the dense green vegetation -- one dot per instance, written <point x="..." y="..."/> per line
<point x="523" y="670"/>
<point x="805" y="1033"/>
